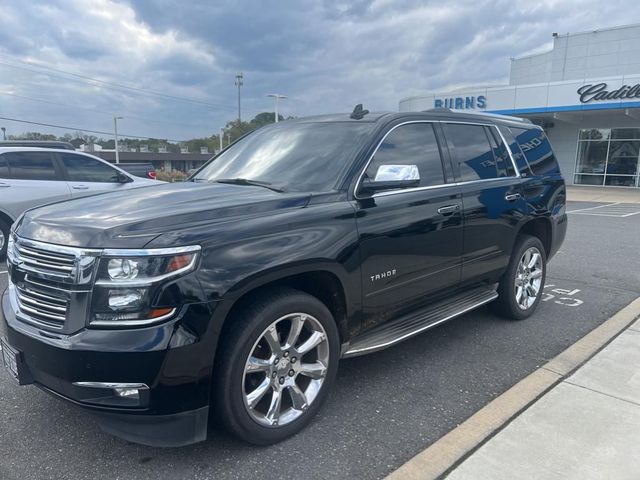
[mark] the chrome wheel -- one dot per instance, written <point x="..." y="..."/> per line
<point x="286" y="369"/>
<point x="528" y="278"/>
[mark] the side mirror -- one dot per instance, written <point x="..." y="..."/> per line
<point x="122" y="178"/>
<point x="393" y="177"/>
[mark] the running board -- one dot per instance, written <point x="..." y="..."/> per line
<point x="396" y="331"/>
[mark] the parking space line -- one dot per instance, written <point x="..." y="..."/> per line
<point x="593" y="208"/>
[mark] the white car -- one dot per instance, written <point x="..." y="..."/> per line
<point x="31" y="176"/>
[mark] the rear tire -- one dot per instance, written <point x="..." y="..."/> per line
<point x="520" y="288"/>
<point x="270" y="381"/>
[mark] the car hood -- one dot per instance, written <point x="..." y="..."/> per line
<point x="132" y="218"/>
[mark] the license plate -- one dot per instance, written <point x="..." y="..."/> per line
<point x="11" y="359"/>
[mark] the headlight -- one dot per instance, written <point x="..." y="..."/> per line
<point x="145" y="267"/>
<point x="127" y="281"/>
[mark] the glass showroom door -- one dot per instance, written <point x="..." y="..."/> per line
<point x="608" y="157"/>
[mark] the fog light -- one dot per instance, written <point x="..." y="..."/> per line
<point x="132" y="393"/>
<point x="130" y="298"/>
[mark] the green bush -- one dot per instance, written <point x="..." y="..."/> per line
<point x="172" y="176"/>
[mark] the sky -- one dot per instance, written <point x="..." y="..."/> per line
<point x="168" y="66"/>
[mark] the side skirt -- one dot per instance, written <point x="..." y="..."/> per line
<point x="402" y="328"/>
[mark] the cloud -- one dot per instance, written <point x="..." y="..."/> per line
<point x="325" y="56"/>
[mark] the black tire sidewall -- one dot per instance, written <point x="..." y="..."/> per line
<point x="5" y="230"/>
<point x="507" y="302"/>
<point x="229" y="388"/>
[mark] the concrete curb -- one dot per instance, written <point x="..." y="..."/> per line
<point x="443" y="455"/>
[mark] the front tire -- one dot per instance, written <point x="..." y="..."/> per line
<point x="521" y="286"/>
<point x="276" y="363"/>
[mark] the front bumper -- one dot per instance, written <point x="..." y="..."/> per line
<point x="174" y="360"/>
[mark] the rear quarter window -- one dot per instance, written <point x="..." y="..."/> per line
<point x="536" y="148"/>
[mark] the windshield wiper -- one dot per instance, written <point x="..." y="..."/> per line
<point x="244" y="181"/>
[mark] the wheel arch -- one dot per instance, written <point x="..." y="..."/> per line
<point x="541" y="228"/>
<point x="325" y="281"/>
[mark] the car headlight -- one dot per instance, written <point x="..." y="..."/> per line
<point x="128" y="279"/>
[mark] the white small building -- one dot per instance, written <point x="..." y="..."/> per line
<point x="585" y="93"/>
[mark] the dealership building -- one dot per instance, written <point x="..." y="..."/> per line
<point x="585" y="93"/>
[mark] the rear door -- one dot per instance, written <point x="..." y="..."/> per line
<point x="491" y="196"/>
<point x="29" y="179"/>
<point x="410" y="239"/>
<point x="87" y="175"/>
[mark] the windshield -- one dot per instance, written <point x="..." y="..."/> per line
<point x="291" y="156"/>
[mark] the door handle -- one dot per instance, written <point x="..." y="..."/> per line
<point x="448" y="209"/>
<point x="4" y="185"/>
<point x="80" y="187"/>
<point x="512" y="197"/>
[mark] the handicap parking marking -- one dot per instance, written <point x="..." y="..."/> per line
<point x="562" y="296"/>
<point x="617" y="209"/>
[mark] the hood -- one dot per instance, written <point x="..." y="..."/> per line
<point x="132" y="218"/>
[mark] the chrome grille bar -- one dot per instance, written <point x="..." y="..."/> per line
<point x="42" y="307"/>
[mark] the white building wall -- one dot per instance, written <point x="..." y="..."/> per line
<point x="601" y="53"/>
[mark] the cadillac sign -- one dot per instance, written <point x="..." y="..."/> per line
<point x="599" y="92"/>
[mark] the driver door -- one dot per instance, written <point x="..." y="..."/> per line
<point x="410" y="239"/>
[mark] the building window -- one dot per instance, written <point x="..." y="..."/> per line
<point x="608" y="157"/>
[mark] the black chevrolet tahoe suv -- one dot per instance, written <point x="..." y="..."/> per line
<point x="232" y="297"/>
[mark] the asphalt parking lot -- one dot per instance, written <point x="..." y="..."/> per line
<point x="385" y="408"/>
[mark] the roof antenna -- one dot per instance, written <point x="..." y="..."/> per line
<point x="358" y="112"/>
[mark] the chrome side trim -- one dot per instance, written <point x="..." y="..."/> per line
<point x="513" y="160"/>
<point x="111" y="385"/>
<point x="444" y="185"/>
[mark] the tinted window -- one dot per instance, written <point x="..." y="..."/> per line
<point x="472" y="151"/>
<point x="537" y="150"/>
<point x="411" y="144"/>
<point x="518" y="156"/>
<point x="30" y="165"/>
<point x="504" y="165"/>
<point x="86" y="169"/>
<point x="310" y="156"/>
<point x="4" y="167"/>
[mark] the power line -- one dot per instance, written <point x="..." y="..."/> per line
<point x="90" y="80"/>
<point x="128" y="115"/>
<point x="84" y="130"/>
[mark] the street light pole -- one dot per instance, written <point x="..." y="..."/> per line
<point x="115" y="131"/>
<point x="277" y="97"/>
<point x="239" y="82"/>
<point x="221" y="135"/>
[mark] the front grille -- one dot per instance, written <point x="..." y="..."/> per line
<point x="46" y="306"/>
<point x="50" y="285"/>
<point x="46" y="261"/>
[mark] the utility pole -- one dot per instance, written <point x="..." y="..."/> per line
<point x="115" y="130"/>
<point x="277" y="97"/>
<point x="4" y="133"/>
<point x="221" y="135"/>
<point x="239" y="82"/>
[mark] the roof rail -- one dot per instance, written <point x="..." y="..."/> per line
<point x="474" y="112"/>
